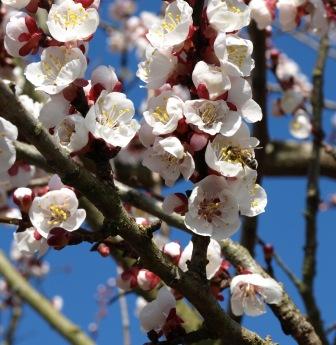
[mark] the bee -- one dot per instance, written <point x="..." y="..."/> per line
<point x="244" y="156"/>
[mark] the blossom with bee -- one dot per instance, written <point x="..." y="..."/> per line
<point x="213" y="209"/>
<point x="250" y="292"/>
<point x="56" y="209"/>
<point x="111" y="119"/>
<point x="230" y="155"/>
<point x="174" y="28"/>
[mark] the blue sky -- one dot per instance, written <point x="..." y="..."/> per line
<point x="76" y="272"/>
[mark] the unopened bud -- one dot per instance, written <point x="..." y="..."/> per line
<point x="103" y="250"/>
<point x="173" y="250"/>
<point x="268" y="251"/>
<point x="147" y="280"/>
<point x="23" y="197"/>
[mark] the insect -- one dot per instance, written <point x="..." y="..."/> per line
<point x="244" y="156"/>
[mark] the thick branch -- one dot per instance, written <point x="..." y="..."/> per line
<point x="292" y="321"/>
<point x="25" y="291"/>
<point x="105" y="197"/>
<point x="313" y="194"/>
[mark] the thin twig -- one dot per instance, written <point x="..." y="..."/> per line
<point x="124" y="314"/>
<point x="313" y="195"/>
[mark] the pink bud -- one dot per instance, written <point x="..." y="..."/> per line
<point x="23" y="197"/>
<point x="103" y="250"/>
<point x="198" y="141"/>
<point x="147" y="280"/>
<point x="173" y="250"/>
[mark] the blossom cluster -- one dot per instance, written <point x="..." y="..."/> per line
<point x="196" y="127"/>
<point x="296" y="91"/>
<point x="291" y="13"/>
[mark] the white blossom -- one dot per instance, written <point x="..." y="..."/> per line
<point x="260" y="13"/>
<point x="168" y="158"/>
<point x="157" y="68"/>
<point x="57" y="208"/>
<point x="72" y="133"/>
<point x="230" y="155"/>
<point x="29" y="241"/>
<point x="212" y="209"/>
<point x="212" y="77"/>
<point x="70" y="21"/>
<point x="54" y="111"/>
<point x="300" y="125"/>
<point x="8" y="133"/>
<point x="250" y="292"/>
<point x="214" y="258"/>
<point x="164" y="112"/>
<point x="105" y="76"/>
<point x="212" y="117"/>
<point x="234" y="54"/>
<point x="240" y="96"/>
<point x="228" y="15"/>
<point x="288" y="13"/>
<point x="173" y="30"/>
<point x="18" y="4"/>
<point x="58" y="68"/>
<point x="30" y="105"/>
<point x="250" y="196"/>
<point x="154" y="314"/>
<point x="291" y="100"/>
<point x="111" y="118"/>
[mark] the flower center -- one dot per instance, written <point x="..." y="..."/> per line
<point x="109" y="117"/>
<point x="161" y="115"/>
<point x="65" y="132"/>
<point x="233" y="154"/>
<point x="232" y="8"/>
<point x="170" y="22"/>
<point x="170" y="159"/>
<point x="237" y="54"/>
<point x="51" y="66"/>
<point x="210" y="208"/>
<point x="58" y="214"/>
<point x="208" y="114"/>
<point x="70" y="18"/>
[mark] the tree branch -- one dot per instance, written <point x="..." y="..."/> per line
<point x="105" y="197"/>
<point x="292" y="321"/>
<point x="313" y="194"/>
<point x="25" y="291"/>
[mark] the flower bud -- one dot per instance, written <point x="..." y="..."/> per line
<point x="23" y="197"/>
<point x="147" y="280"/>
<point x="103" y="250"/>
